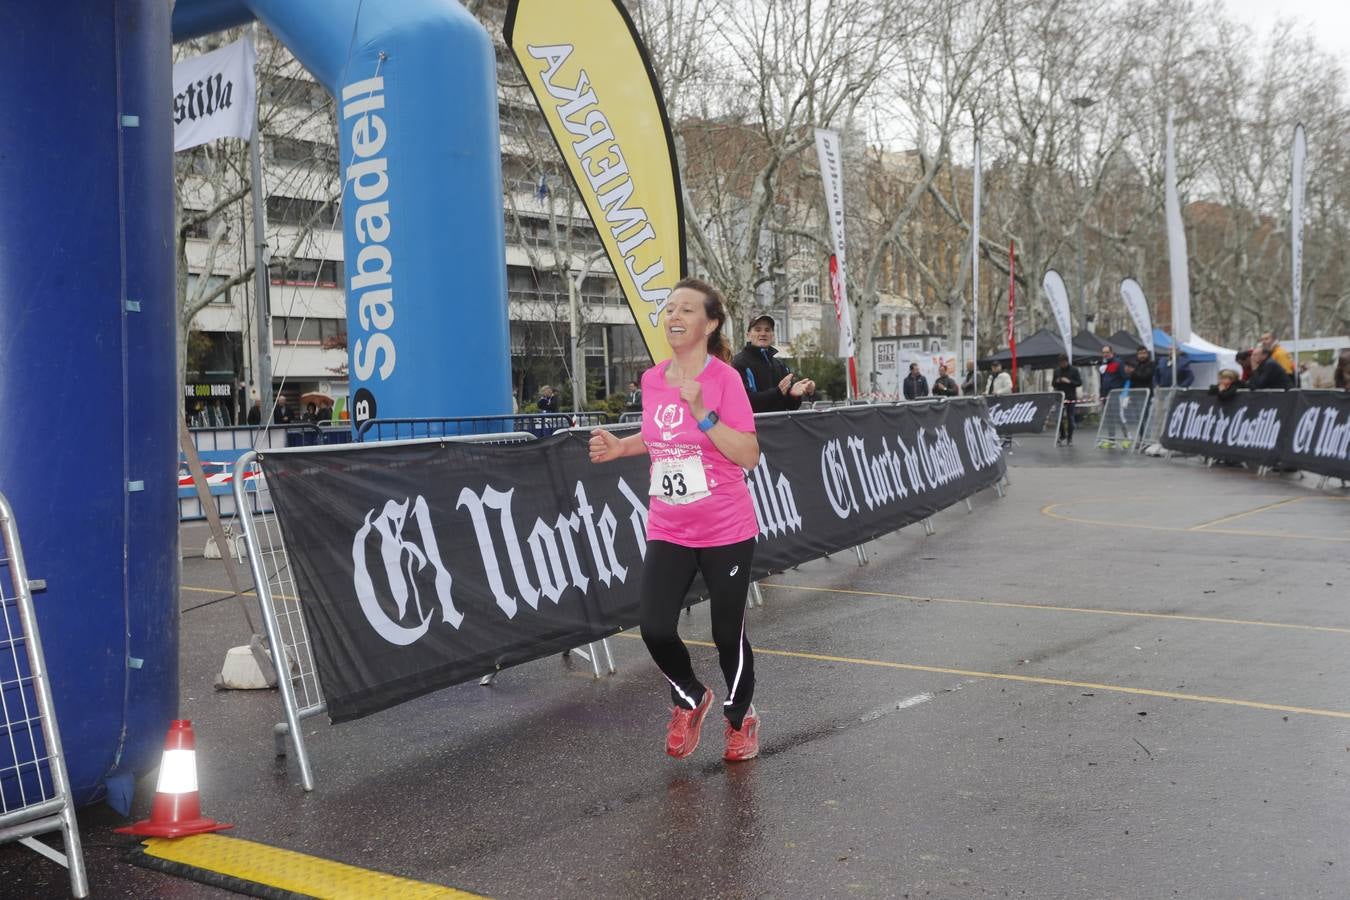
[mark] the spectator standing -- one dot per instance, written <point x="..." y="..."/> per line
<point x="968" y="386"/>
<point x="255" y="412"/>
<point x="1281" y="356"/>
<point x="1111" y="371"/>
<point x="1267" y="374"/>
<point x="1227" y="386"/>
<point x="1244" y="361"/>
<point x="1000" y="382"/>
<point x="548" y="399"/>
<point x="1342" y="377"/>
<point x="945" y="385"/>
<point x="1163" y="373"/>
<point x="915" y="386"/>
<point x="283" y="412"/>
<point x="1144" y="369"/>
<point x="1067" y="381"/>
<point x="767" y="379"/>
<point x="633" y="403"/>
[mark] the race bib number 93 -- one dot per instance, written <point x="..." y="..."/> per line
<point x="679" y="481"/>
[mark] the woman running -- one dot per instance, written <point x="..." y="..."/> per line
<point x="698" y="428"/>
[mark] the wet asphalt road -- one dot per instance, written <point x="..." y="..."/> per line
<point x="1128" y="678"/>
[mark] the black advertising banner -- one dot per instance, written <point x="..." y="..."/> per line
<point x="426" y="564"/>
<point x="1320" y="437"/>
<point x="1024" y="413"/>
<point x="1246" y="426"/>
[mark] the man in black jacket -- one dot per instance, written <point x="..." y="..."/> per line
<point x="1067" y="381"/>
<point x="944" y="385"/>
<point x="767" y="380"/>
<point x="1144" y="369"/>
<point x="1267" y="374"/>
<point x="916" y="386"/>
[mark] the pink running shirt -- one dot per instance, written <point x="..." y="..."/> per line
<point x="670" y="431"/>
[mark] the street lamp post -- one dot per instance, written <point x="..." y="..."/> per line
<point x="1081" y="103"/>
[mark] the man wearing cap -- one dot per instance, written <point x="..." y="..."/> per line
<point x="767" y="380"/>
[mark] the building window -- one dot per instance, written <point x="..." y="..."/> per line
<point x="304" y="272"/>
<point x="212" y="282"/>
<point x="308" y="332"/>
<point x="305" y="213"/>
<point x="297" y="93"/>
<point x="198" y="229"/>
<point x="294" y="150"/>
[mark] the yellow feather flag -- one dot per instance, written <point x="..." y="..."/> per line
<point x="590" y="74"/>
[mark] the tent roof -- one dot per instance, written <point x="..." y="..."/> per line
<point x="1163" y="341"/>
<point x="1039" y="351"/>
<point x="1124" y="342"/>
<point x="1201" y="344"/>
<point x="1091" y="344"/>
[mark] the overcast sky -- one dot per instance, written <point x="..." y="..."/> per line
<point x="1329" y="19"/>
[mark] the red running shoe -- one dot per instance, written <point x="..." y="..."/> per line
<point x="743" y="744"/>
<point x="685" y="724"/>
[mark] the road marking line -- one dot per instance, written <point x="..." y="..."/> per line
<point x="1334" y="629"/>
<point x="906" y="703"/>
<point x="287" y="870"/>
<point x="1049" y="511"/>
<point x="1034" y="679"/>
<point x="247" y="592"/>
<point x="1250" y="512"/>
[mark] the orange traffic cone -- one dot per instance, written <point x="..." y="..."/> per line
<point x="176" y="811"/>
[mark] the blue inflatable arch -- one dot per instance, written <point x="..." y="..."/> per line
<point x="415" y="85"/>
<point x="88" y="445"/>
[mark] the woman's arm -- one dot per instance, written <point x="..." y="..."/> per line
<point x="605" y="446"/>
<point x="741" y="447"/>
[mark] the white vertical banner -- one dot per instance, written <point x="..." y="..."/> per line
<point x="1137" y="306"/>
<point x="213" y="95"/>
<point x="832" y="173"/>
<point x="974" y="267"/>
<point x="1176" y="246"/>
<point x="1058" y="296"/>
<point x="1296" y="225"/>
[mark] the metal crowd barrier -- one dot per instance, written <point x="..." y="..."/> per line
<point x="1123" y="418"/>
<point x="34" y="788"/>
<point x="537" y="424"/>
<point x="280" y="601"/>
<point x="220" y="448"/>
<point x="279" y="598"/>
<point x="1155" y="419"/>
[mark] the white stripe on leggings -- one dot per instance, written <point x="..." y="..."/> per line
<point x="687" y="698"/>
<point x="740" y="665"/>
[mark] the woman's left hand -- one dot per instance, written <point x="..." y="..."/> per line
<point x="691" y="392"/>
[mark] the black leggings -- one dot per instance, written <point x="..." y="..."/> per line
<point x="667" y="574"/>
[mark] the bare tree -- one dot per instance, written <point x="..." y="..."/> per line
<point x="774" y="70"/>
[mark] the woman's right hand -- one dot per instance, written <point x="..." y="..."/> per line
<point x="604" y="446"/>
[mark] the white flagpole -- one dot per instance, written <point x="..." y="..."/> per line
<point x="1176" y="250"/>
<point x="974" y="273"/>
<point x="1300" y="155"/>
